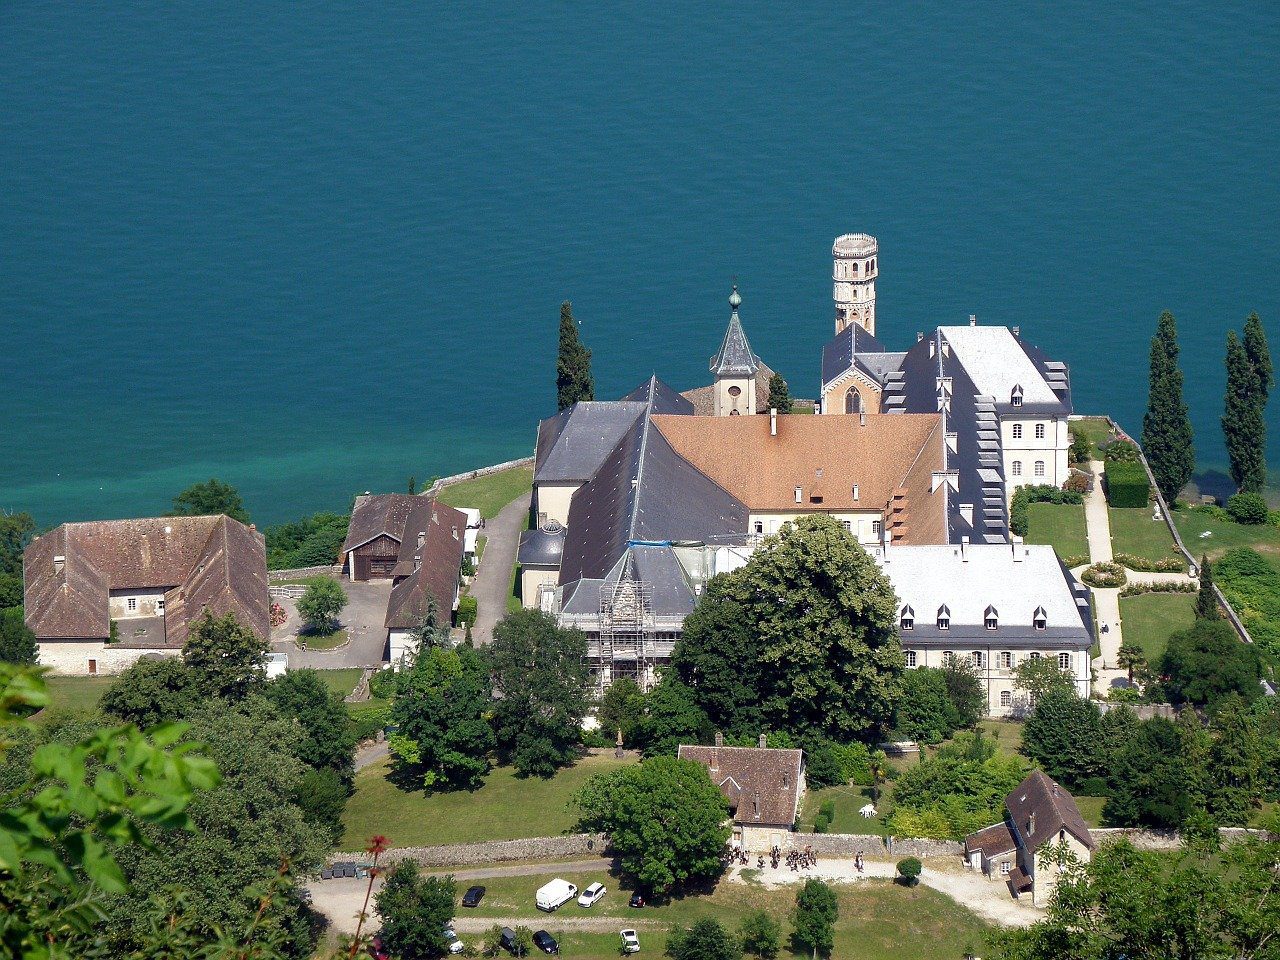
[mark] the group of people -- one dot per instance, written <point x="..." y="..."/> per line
<point x="795" y="859"/>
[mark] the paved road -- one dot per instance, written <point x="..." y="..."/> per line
<point x="363" y="616"/>
<point x="492" y="584"/>
<point x="370" y="754"/>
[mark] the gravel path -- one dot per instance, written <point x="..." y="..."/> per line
<point x="492" y="584"/>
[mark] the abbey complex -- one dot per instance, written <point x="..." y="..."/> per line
<point x="641" y="500"/>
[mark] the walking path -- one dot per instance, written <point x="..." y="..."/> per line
<point x="492" y="584"/>
<point x="1106" y="602"/>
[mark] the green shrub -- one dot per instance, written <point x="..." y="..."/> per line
<point x="1252" y="586"/>
<point x="1163" y="565"/>
<point x="467" y="610"/>
<point x="1081" y="450"/>
<point x="822" y="824"/>
<point x="368" y="720"/>
<point x="1075" y="560"/>
<point x="909" y="869"/>
<point x="1077" y="483"/>
<point x="1126" y="484"/>
<point x="383" y="684"/>
<point x="1167" y="586"/>
<point x="828" y="809"/>
<point x="1247" y="508"/>
<point x="1104" y="574"/>
<point x="1121" y="451"/>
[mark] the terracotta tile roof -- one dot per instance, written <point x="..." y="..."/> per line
<point x="992" y="841"/>
<point x="761" y="784"/>
<point x="825" y="456"/>
<point x="212" y="562"/>
<point x="1053" y="808"/>
<point x="433" y="567"/>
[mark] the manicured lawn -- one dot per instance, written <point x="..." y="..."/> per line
<point x="504" y="808"/>
<point x="76" y="693"/>
<point x="491" y="493"/>
<point x="878" y="920"/>
<point x="848" y="801"/>
<point x="1224" y="534"/>
<point x="1149" y="619"/>
<point x="341" y="682"/>
<point x="1096" y="429"/>
<point x="1007" y="734"/>
<point x="1133" y="531"/>
<point x="324" y="640"/>
<point x="1061" y="525"/>
<point x="1091" y="809"/>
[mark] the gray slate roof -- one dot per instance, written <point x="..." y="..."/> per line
<point x="735" y="357"/>
<point x="839" y="352"/>
<point x="660" y="397"/>
<point x="541" y="548"/>
<point x="573" y="445"/>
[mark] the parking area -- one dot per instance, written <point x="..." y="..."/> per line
<point x="363" y="618"/>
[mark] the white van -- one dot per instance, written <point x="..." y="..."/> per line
<point x="555" y="894"/>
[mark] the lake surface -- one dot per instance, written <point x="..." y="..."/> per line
<point x="316" y="249"/>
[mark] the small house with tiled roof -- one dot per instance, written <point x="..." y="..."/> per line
<point x="764" y="787"/>
<point x="1038" y="813"/>
<point x="150" y="577"/>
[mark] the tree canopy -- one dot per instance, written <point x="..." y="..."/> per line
<point x="1207" y="662"/>
<point x="229" y="659"/>
<point x="1243" y="428"/>
<point x="718" y="658"/>
<point x="17" y="642"/>
<point x="209" y="498"/>
<point x="573" y="363"/>
<point x="320" y="605"/>
<point x="1166" y="426"/>
<point x="1062" y="736"/>
<point x="415" y="911"/>
<point x="779" y="395"/>
<point x="814" y="920"/>
<point x="706" y="939"/>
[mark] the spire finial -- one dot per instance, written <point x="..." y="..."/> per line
<point x="735" y="299"/>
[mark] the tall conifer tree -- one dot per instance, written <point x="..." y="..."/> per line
<point x="1206" y="599"/>
<point x="1243" y="428"/>
<point x="1166" y="427"/>
<point x="573" y="365"/>
<point x="1255" y="345"/>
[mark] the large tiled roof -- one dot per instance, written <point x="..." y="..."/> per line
<point x="381" y="515"/>
<point x="761" y="784"/>
<point x="573" y="445"/>
<point x="1052" y="806"/>
<point x="433" y="566"/>
<point x="825" y="456"/>
<point x="209" y="562"/>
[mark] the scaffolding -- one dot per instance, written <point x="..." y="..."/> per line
<point x="626" y="638"/>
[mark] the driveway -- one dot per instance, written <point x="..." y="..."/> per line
<point x="492" y="584"/>
<point x="363" y="616"/>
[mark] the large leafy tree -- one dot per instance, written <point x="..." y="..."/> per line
<point x="415" y="911"/>
<point x="925" y="712"/>
<point x="1166" y="426"/>
<point x="705" y="940"/>
<point x="209" y="498"/>
<point x="1149" y="779"/>
<point x="311" y="542"/>
<point x="1202" y="665"/>
<point x="326" y="740"/>
<point x="17" y="642"/>
<point x="718" y="658"/>
<point x="966" y="692"/>
<point x="321" y="603"/>
<point x="573" y="363"/>
<point x="779" y="395"/>
<point x="1243" y="426"/>
<point x="227" y="657"/>
<point x="814" y="921"/>
<point x="1255" y="345"/>
<point x="621" y="709"/>
<point x="672" y="717"/>
<point x="153" y="690"/>
<point x="540" y="678"/>
<point x="1062" y="735"/>
<point x="665" y="820"/>
<point x="830" y="663"/>
<point x="1234" y="764"/>
<point x="16" y="530"/>
<point x="1037" y="677"/>
<point x="441" y="714"/>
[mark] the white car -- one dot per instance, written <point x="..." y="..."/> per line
<point x="451" y="938"/>
<point x="591" y="895"/>
<point x="630" y="942"/>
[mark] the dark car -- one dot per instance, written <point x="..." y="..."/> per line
<point x="545" y="942"/>
<point x="510" y="943"/>
<point x="636" y="901"/>
<point x="473" y="896"/>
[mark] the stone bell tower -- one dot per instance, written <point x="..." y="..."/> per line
<point x="854" y="280"/>
<point x="735" y="368"/>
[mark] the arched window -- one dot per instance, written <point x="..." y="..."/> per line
<point x="1040" y="619"/>
<point x="910" y="656"/>
<point x="992" y="618"/>
<point x="1039" y="468"/>
<point x="1017" y="468"/>
<point x="1017" y="431"/>
<point x="871" y="266"/>
<point x="1039" y="431"/>
<point x="908" y="619"/>
<point x="944" y="617"/>
<point x="855" y="269"/>
<point x="1064" y="661"/>
<point x="853" y="401"/>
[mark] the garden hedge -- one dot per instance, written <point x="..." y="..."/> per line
<point x="1127" y="484"/>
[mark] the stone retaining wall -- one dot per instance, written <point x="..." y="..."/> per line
<point x="494" y="851"/>
<point x="1144" y="711"/>
<point x="472" y="474"/>
<point x="332" y="570"/>
<point x="1148" y="839"/>
<point x="847" y="844"/>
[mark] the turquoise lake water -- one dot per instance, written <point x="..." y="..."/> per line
<point x="314" y="249"/>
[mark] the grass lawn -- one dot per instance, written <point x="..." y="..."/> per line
<point x="504" y="808"/>
<point x="1061" y="525"/>
<point x="1149" y="619"/>
<point x="491" y="493"/>
<point x="848" y="801"/>
<point x="878" y="920"/>
<point x="76" y="693"/>
<point x="1225" y="535"/>
<point x="324" y="640"/>
<point x="341" y="682"/>
<point x="1133" y="531"/>
<point x="1091" y="809"/>
<point x="1006" y="733"/>
<point x="1096" y="429"/>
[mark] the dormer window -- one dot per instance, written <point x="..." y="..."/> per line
<point x="908" y="619"/>
<point x="1040" y="619"/>
<point x="944" y="618"/>
<point x="992" y="618"/>
<point x="1015" y="396"/>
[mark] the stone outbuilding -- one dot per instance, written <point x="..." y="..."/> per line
<point x="764" y="787"/>
<point x="1038" y="813"/>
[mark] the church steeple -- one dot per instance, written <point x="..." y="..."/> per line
<point x="735" y="367"/>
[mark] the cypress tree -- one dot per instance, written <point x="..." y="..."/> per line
<point x="1206" y="601"/>
<point x="779" y="395"/>
<point x="1243" y="428"/>
<point x="573" y="365"/>
<point x="1166" y="427"/>
<point x="1255" y="345"/>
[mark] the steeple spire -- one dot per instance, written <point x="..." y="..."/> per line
<point x="735" y="357"/>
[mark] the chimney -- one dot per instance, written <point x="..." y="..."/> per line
<point x="58" y="563"/>
<point x="773" y="421"/>
<point x="964" y="549"/>
<point x="253" y="526"/>
<point x="919" y="336"/>
<point x="719" y="739"/>
<point x="762" y="742"/>
<point x="973" y="319"/>
<point x="862" y="418"/>
<point x="966" y="513"/>
<point x="1018" y="551"/>
<point x="422" y="538"/>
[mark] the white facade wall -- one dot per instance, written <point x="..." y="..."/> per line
<point x="1021" y="454"/>
<point x="726" y="404"/>
<point x="82" y="658"/>
<point x="531" y="581"/>
<point x="402" y="643"/>
<point x="552" y="500"/>
<point x="994" y="674"/>
<point x="860" y="523"/>
<point x="136" y="602"/>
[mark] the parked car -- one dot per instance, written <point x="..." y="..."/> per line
<point x="473" y="896"/>
<point x="636" y="901"/>
<point x="451" y="938"/>
<point x="591" y="895"/>
<point x="630" y="942"/>
<point x="509" y="942"/>
<point x="545" y="942"/>
<point x="377" y="950"/>
<point x="554" y="895"/>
